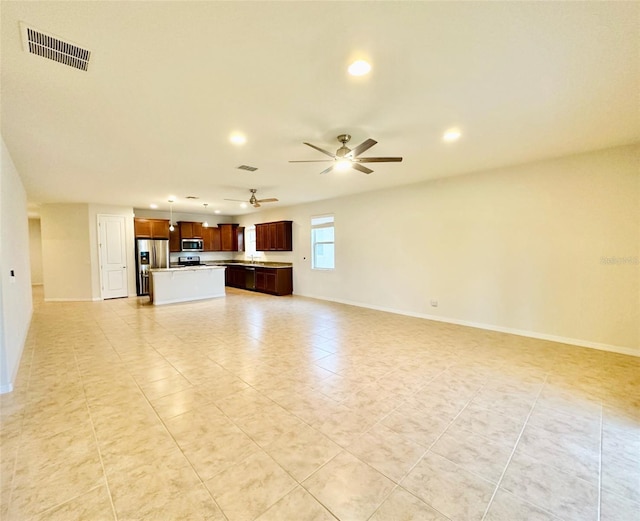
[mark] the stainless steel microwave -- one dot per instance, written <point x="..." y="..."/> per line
<point x="192" y="244"/>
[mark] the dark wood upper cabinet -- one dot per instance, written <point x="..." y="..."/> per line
<point x="229" y="236"/>
<point x="211" y="238"/>
<point x="226" y="237"/>
<point x="174" y="240"/>
<point x="274" y="236"/>
<point x="190" y="230"/>
<point x="240" y="238"/>
<point x="151" y="228"/>
<point x="262" y="237"/>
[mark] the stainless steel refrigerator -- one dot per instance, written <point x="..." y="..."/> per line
<point x="150" y="253"/>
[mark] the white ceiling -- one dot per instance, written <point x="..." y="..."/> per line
<point x="169" y="81"/>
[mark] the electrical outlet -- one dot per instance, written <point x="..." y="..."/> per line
<point x="434" y="303"/>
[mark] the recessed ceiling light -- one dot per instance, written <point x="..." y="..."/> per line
<point x="453" y="134"/>
<point x="243" y="205"/>
<point x="153" y="206"/>
<point x="216" y="211"/>
<point x="359" y="68"/>
<point x="237" y="138"/>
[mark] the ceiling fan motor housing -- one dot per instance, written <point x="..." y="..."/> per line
<point x="344" y="149"/>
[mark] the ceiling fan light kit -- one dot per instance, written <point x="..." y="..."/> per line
<point x="345" y="157"/>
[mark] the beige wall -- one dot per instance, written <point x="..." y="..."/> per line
<point x="66" y="252"/>
<point x="35" y="251"/>
<point x="548" y="249"/>
<point x="16" y="305"/>
<point x="71" y="264"/>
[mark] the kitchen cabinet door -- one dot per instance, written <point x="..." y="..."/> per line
<point x="197" y="230"/>
<point x="228" y="236"/>
<point x="274" y="236"/>
<point x="174" y="240"/>
<point x="215" y="239"/>
<point x="207" y="239"/>
<point x="287" y="235"/>
<point x="151" y="228"/>
<point x="262" y="237"/>
<point x="240" y="238"/>
<point x="235" y="277"/>
<point x="266" y="280"/>
<point x="276" y="281"/>
<point x="160" y="228"/>
<point x="142" y="228"/>
<point x="190" y="230"/>
<point x="211" y="238"/>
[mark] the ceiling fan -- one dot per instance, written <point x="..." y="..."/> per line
<point x="346" y="158"/>
<point x="255" y="202"/>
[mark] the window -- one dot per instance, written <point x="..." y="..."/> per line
<point x="322" y="243"/>
<point x="250" y="242"/>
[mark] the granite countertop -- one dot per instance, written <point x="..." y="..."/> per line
<point x="223" y="264"/>
<point x="252" y="264"/>
<point x="183" y="268"/>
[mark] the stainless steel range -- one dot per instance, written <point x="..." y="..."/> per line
<point x="193" y="260"/>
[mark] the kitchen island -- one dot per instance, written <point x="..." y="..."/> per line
<point x="171" y="285"/>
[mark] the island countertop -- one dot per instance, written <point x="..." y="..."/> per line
<point x="183" y="268"/>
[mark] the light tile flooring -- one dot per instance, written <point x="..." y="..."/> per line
<point x="286" y="408"/>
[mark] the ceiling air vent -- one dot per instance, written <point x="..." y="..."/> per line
<point x="48" y="46"/>
<point x="247" y="168"/>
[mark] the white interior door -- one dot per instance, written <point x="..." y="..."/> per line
<point x="113" y="256"/>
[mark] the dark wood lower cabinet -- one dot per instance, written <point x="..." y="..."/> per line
<point x="275" y="281"/>
<point x="235" y="277"/>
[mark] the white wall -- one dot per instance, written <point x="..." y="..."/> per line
<point x="35" y="251"/>
<point x="549" y="249"/>
<point x="66" y="252"/>
<point x="16" y="305"/>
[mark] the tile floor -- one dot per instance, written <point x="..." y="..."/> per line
<point x="264" y="408"/>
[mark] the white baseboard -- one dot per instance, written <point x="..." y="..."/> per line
<point x="8" y="387"/>
<point x="624" y="350"/>
<point x="71" y="299"/>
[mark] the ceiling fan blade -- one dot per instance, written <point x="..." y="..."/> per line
<point x="378" y="159"/>
<point x="361" y="168"/>
<point x="269" y="200"/>
<point x="326" y="171"/>
<point x="365" y="145"/>
<point x="237" y="200"/>
<point x="256" y="204"/>
<point x="320" y="150"/>
<point x="312" y="161"/>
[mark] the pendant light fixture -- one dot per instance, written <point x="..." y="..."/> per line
<point x="171" y="227"/>
<point x="205" y="223"/>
